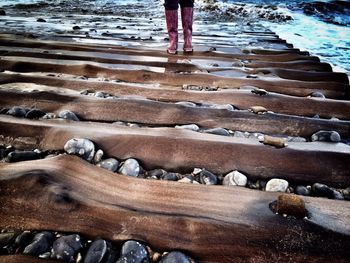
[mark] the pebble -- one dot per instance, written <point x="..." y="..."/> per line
<point x="171" y="177"/>
<point x="323" y="190"/>
<point x="192" y="127"/>
<point x="23" y="240"/>
<point x="7" y="238"/>
<point x="346" y="193"/>
<point x="302" y="190"/>
<point x="96" y="252"/>
<point x="235" y="178"/>
<point x="218" y="131"/>
<point x="258" y="109"/>
<point x="186" y="180"/>
<point x="291" y="205"/>
<point x="131" y="167"/>
<point x="76" y="27"/>
<point x="41" y="20"/>
<point x="17" y="111"/>
<point x="175" y="257"/>
<point x="277" y="185"/>
<point x="326" y="136"/>
<point x="2" y="12"/>
<point x="99" y="94"/>
<point x="239" y="134"/>
<point x="40" y="244"/>
<point x="110" y="164"/>
<point x="296" y="139"/>
<point x="81" y="147"/>
<point x="98" y="156"/>
<point x="260" y="92"/>
<point x="19" y="156"/>
<point x="223" y="107"/>
<point x="68" y="115"/>
<point x="317" y="94"/>
<point x="207" y="178"/>
<point x="186" y="103"/>
<point x="133" y="252"/>
<point x="35" y="114"/>
<point x="49" y="115"/>
<point x="157" y="173"/>
<point x="66" y="247"/>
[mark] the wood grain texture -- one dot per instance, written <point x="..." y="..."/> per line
<point x="182" y="150"/>
<point x="199" y="220"/>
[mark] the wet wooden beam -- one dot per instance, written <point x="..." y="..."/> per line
<point x="169" y="215"/>
<point x="182" y="150"/>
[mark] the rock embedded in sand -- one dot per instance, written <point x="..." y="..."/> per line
<point x="110" y="164"/>
<point x="23" y="240"/>
<point x="17" y="111"/>
<point x="19" y="156"/>
<point x="7" y="239"/>
<point x="302" y="190"/>
<point x="2" y="12"/>
<point x="35" y="114"/>
<point x="323" y="190"/>
<point x="96" y="252"/>
<point x="41" y="20"/>
<point x="317" y="94"/>
<point x="135" y="252"/>
<point x="191" y="127"/>
<point x="68" y="115"/>
<point x="186" y="103"/>
<point x="81" y="147"/>
<point x="98" y="156"/>
<point x="326" y="136"/>
<point x="291" y="205"/>
<point x="208" y="178"/>
<point x="235" y="178"/>
<point x="218" y="131"/>
<point x="40" y="244"/>
<point x="130" y="167"/>
<point x="175" y="256"/>
<point x="157" y="173"/>
<point x="171" y="177"/>
<point x="76" y="27"/>
<point x="277" y="185"/>
<point x="66" y="247"/>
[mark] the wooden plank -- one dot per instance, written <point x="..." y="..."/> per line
<point x="182" y="150"/>
<point x="200" y="220"/>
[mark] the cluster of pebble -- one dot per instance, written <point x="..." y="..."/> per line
<point x="75" y="248"/>
<point x="131" y="167"/>
<point x="22" y="112"/>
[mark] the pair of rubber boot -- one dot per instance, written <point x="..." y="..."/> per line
<point x="172" y="24"/>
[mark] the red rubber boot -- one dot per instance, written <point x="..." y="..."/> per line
<point x="172" y="24"/>
<point x="187" y="21"/>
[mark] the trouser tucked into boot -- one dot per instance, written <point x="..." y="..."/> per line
<point x="171" y="14"/>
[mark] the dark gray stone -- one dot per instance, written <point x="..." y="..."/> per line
<point x="40" y="244"/>
<point x="7" y="238"/>
<point x="207" y="177"/>
<point x="133" y="252"/>
<point x="19" y="156"/>
<point x="302" y="190"/>
<point x="41" y="20"/>
<point x="66" y="247"/>
<point x="175" y="257"/>
<point x="110" y="164"/>
<point x="96" y="252"/>
<point x="170" y="177"/>
<point x="35" y="114"/>
<point x="17" y="111"/>
<point x="81" y="147"/>
<point x="158" y="173"/>
<point x="2" y="12"/>
<point x="326" y="136"/>
<point x="23" y="240"/>
<point x="323" y="190"/>
<point x="68" y="115"/>
<point x="317" y="94"/>
<point x="130" y="167"/>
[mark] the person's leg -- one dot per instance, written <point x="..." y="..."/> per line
<point x="187" y="22"/>
<point x="171" y="15"/>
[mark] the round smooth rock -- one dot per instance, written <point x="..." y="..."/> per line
<point x="19" y="156"/>
<point x="218" y="131"/>
<point x="133" y="252"/>
<point x="35" y="114"/>
<point x="186" y="103"/>
<point x="207" y="178"/>
<point x="277" y="185"/>
<point x="235" y="178"/>
<point x="175" y="257"/>
<point x="2" y="12"/>
<point x="291" y="205"/>
<point x="170" y="177"/>
<point x="96" y="252"/>
<point x="191" y="127"/>
<point x="23" y="240"/>
<point x="17" y="111"/>
<point x="223" y="107"/>
<point x="157" y="173"/>
<point x="99" y="94"/>
<point x="239" y="134"/>
<point x="7" y="238"/>
<point x="81" y="147"/>
<point x="322" y="190"/>
<point x="110" y="164"/>
<point x="326" y="136"/>
<point x="41" y="244"/>
<point x="66" y="247"/>
<point x="302" y="190"/>
<point x="42" y="20"/>
<point x="131" y="167"/>
<point x="346" y="193"/>
<point x="98" y="156"/>
<point x="68" y="115"/>
<point x="317" y="94"/>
